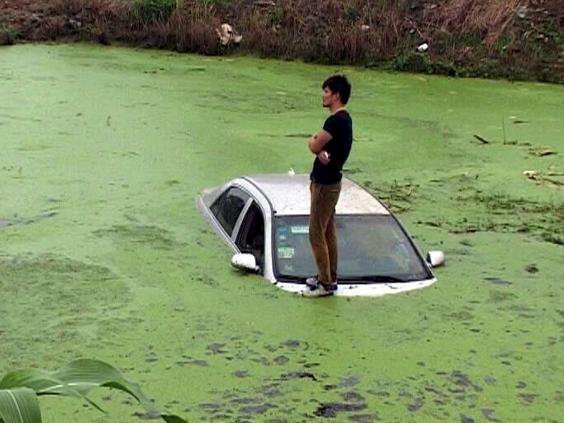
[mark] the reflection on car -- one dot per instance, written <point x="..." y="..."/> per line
<point x="265" y="221"/>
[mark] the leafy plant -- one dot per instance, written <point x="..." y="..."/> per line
<point x="154" y="10"/>
<point x="8" y="35"/>
<point x="19" y="390"/>
<point x="412" y="62"/>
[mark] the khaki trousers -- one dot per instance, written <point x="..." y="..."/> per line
<point x="323" y="230"/>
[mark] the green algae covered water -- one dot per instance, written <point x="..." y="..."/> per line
<point x="104" y="255"/>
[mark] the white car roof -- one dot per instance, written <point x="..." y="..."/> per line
<point x="289" y="195"/>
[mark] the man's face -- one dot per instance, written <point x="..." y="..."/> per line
<point x="329" y="97"/>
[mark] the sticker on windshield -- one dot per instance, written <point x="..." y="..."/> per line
<point x="282" y="233"/>
<point x="299" y="229"/>
<point x="285" y="252"/>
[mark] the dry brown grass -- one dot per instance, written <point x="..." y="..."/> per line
<point x="327" y="31"/>
<point x="192" y="28"/>
<point x="97" y="20"/>
<point x="466" y="32"/>
<point x="488" y="18"/>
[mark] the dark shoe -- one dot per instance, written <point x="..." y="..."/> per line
<point x="332" y="287"/>
<point x="313" y="283"/>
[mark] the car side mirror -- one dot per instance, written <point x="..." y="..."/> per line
<point x="246" y="262"/>
<point x="436" y="258"/>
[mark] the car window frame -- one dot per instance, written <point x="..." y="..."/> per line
<point x="284" y="278"/>
<point x="253" y="200"/>
<point x="237" y="223"/>
<point x="244" y="215"/>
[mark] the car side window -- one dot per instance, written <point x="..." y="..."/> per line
<point x="250" y="238"/>
<point x="228" y="207"/>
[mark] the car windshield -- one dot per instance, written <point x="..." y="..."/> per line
<point x="372" y="248"/>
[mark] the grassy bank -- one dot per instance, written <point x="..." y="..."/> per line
<point x="508" y="39"/>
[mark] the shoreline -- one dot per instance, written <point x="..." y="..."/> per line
<point x="519" y="45"/>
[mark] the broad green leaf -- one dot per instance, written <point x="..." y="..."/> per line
<point x="19" y="405"/>
<point x="77" y="379"/>
<point x="83" y="375"/>
<point x="39" y="380"/>
<point x="34" y="379"/>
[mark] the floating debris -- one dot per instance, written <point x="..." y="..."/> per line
<point x="422" y="48"/>
<point x="540" y="179"/>
<point x="522" y="12"/>
<point x="481" y="139"/>
<point x="542" y="152"/>
<point x="531" y="268"/>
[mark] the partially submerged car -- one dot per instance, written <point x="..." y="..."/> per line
<point x="265" y="221"/>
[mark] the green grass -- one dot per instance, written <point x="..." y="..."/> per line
<point x="8" y="35"/>
<point x="154" y="10"/>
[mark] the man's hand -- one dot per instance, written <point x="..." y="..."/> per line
<point x="318" y="141"/>
<point x="324" y="157"/>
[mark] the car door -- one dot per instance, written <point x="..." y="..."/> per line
<point x="227" y="208"/>
<point x="250" y="236"/>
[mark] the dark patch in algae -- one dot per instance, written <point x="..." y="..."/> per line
<point x="210" y="406"/>
<point x="497" y="281"/>
<point x="149" y="415"/>
<point x="199" y="363"/>
<point x="271" y="390"/>
<point x="352" y="396"/>
<point x="461" y="379"/>
<point x="489" y="414"/>
<point x="531" y="268"/>
<point x="291" y="343"/>
<point x="415" y="405"/>
<point x="331" y="409"/>
<point x="349" y="381"/>
<point x="240" y="373"/>
<point x="152" y="236"/>
<point x="281" y="359"/>
<point x="498" y="296"/>
<point x="460" y="316"/>
<point x="47" y="214"/>
<point x="298" y="375"/>
<point x="216" y="348"/>
<point x="528" y="398"/>
<point x="256" y="409"/>
<point x="398" y="196"/>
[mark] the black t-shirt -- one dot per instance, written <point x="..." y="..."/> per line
<point x="339" y="126"/>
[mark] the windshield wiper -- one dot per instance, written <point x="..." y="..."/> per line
<point x="374" y="278"/>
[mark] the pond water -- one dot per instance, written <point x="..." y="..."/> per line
<point x="103" y="253"/>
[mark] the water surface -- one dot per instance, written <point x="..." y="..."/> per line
<point x="103" y="253"/>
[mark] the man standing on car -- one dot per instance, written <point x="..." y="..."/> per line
<point x="331" y="147"/>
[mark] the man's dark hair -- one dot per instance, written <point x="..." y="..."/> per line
<point x="339" y="84"/>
